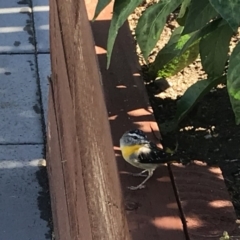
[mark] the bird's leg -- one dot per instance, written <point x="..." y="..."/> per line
<point x="140" y="174"/>
<point x="141" y="185"/>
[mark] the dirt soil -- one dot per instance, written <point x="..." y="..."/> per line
<point x="209" y="132"/>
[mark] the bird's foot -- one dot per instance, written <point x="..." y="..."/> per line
<point x="136" y="187"/>
<point x="139" y="175"/>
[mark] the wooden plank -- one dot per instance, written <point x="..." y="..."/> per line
<point x="76" y="201"/>
<point x="128" y="108"/>
<point x="153" y="212"/>
<point x="89" y="205"/>
<point x="55" y="176"/>
<point x="94" y="200"/>
<point x="54" y="162"/>
<point x="205" y="201"/>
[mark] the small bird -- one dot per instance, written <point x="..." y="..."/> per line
<point x="141" y="153"/>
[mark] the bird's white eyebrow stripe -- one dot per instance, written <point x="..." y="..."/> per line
<point x="135" y="135"/>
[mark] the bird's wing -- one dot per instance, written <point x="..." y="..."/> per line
<point x="155" y="156"/>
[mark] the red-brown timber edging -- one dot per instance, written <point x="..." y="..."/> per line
<point x="87" y="200"/>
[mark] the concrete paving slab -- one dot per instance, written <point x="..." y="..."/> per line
<point x="16" y="27"/>
<point x="20" y="111"/>
<point x="44" y="67"/>
<point x="19" y="196"/>
<point x="41" y="20"/>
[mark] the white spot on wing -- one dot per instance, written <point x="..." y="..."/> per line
<point x="144" y="149"/>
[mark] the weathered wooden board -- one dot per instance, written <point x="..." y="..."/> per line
<point x="85" y="190"/>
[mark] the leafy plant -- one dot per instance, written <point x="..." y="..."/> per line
<point x="206" y="28"/>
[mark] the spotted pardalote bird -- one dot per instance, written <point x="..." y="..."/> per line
<point x="141" y="153"/>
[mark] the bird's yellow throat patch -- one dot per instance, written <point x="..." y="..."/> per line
<point x="128" y="150"/>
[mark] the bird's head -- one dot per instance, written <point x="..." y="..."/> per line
<point x="133" y="137"/>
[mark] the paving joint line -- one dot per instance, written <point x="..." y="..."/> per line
<point x="24" y="53"/>
<point x="42" y="173"/>
<point x="17" y="144"/>
<point x="38" y="78"/>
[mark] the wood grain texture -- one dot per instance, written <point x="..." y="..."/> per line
<point x="93" y="205"/>
<point x="69" y="149"/>
<point x="205" y="201"/>
<point x="84" y="179"/>
<point x="153" y="212"/>
<point x="56" y="178"/>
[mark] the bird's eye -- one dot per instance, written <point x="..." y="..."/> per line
<point x="135" y="137"/>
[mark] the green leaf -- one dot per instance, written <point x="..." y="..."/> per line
<point x="214" y="50"/>
<point x="151" y="24"/>
<point x="100" y="6"/>
<point x="199" y="14"/>
<point x="182" y="16"/>
<point x="233" y="81"/>
<point x="183" y="8"/>
<point x="197" y="35"/>
<point x="189" y="99"/>
<point x="174" y="39"/>
<point x="121" y="10"/>
<point x="169" y="61"/>
<point x="181" y="21"/>
<point x="168" y="52"/>
<point x="179" y="62"/>
<point x="229" y="10"/>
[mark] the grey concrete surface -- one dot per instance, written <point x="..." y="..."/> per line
<point x="40" y="13"/>
<point x="24" y="201"/>
<point x="20" y="217"/>
<point x="16" y="27"/>
<point x="20" y="109"/>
